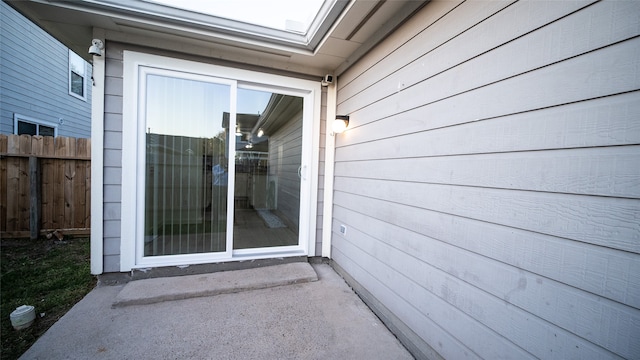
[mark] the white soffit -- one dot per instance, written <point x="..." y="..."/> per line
<point x="340" y="33"/>
<point x="159" y="13"/>
<point x="288" y="15"/>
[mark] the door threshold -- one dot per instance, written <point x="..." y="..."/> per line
<point x="236" y="264"/>
<point x="150" y="291"/>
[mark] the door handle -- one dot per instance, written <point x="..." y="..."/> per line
<point x="302" y="172"/>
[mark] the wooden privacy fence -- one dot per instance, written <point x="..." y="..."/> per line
<point x="44" y="186"/>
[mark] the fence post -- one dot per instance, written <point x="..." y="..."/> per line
<point x="35" y="198"/>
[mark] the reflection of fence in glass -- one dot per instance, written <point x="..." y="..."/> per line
<point x="186" y="157"/>
<point x="45" y="185"/>
<point x="185" y="205"/>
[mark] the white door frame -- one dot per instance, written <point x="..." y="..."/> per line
<point x="132" y="204"/>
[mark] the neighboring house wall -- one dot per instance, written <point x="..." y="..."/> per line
<point x="490" y="181"/>
<point x="34" y="79"/>
<point x="285" y="149"/>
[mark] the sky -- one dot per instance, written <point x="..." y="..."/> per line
<point x="252" y="101"/>
<point x="270" y="13"/>
<point x="193" y="108"/>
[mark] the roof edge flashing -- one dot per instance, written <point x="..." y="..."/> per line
<point x="324" y="21"/>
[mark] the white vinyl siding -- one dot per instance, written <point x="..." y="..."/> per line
<point x="489" y="180"/>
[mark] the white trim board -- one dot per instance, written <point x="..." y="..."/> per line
<point x="97" y="166"/>
<point x="329" y="163"/>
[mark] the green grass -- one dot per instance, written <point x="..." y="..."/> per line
<point x="50" y="275"/>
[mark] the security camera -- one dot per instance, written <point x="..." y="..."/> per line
<point x="96" y="47"/>
<point x="327" y="80"/>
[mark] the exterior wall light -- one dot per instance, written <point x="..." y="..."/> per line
<point x="96" y="47"/>
<point x="340" y="123"/>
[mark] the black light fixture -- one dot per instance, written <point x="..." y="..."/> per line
<point x="340" y="123"/>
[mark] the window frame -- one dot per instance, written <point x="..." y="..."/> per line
<point x="82" y="97"/>
<point x="27" y="119"/>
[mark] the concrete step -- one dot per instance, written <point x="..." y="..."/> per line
<point x="149" y="291"/>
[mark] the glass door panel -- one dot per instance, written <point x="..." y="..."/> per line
<point x="187" y="147"/>
<point x="267" y="166"/>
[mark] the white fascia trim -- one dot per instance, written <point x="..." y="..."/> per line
<point x="321" y="40"/>
<point x="329" y="162"/>
<point x="209" y="26"/>
<point x="129" y="146"/>
<point x="97" y="163"/>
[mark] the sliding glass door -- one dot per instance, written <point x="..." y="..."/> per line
<point x="268" y="163"/>
<point x="186" y="164"/>
<point x="217" y="168"/>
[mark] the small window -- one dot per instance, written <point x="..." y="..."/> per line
<point x="77" y="76"/>
<point x="30" y="126"/>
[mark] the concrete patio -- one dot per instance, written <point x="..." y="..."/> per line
<point x="277" y="312"/>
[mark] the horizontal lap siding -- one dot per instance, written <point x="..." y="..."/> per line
<point x="113" y="156"/>
<point x="489" y="178"/>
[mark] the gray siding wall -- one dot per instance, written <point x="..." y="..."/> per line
<point x="490" y="180"/>
<point x="34" y="80"/>
<point x="113" y="148"/>
<point x="112" y="155"/>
